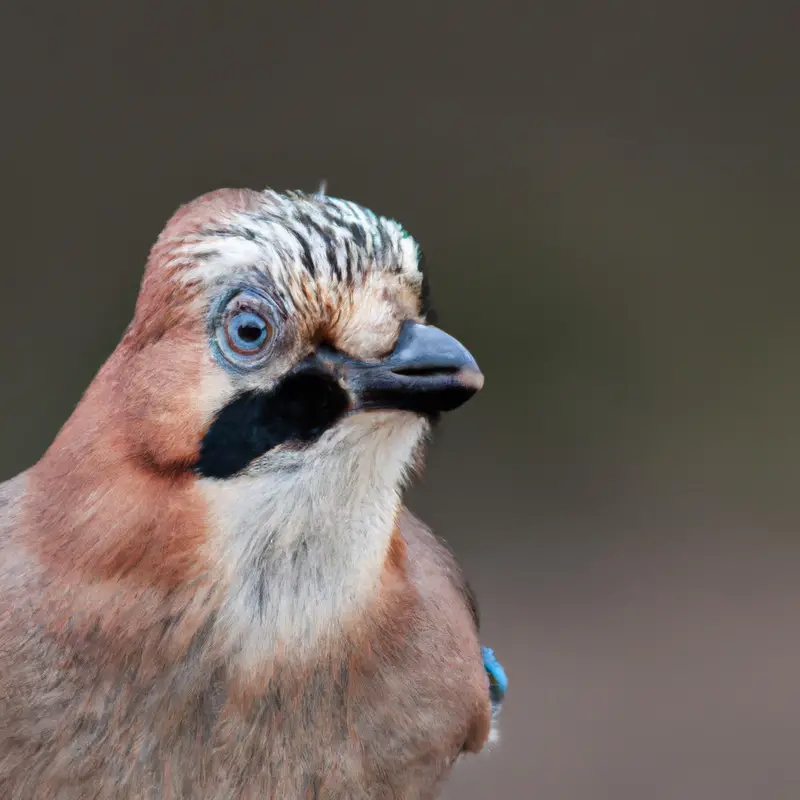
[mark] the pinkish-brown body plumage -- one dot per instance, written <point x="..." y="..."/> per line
<point x="206" y="592"/>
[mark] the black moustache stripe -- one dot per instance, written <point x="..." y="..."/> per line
<point x="300" y="409"/>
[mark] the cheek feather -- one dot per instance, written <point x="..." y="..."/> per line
<point x="112" y="521"/>
<point x="115" y="496"/>
<point x="165" y="390"/>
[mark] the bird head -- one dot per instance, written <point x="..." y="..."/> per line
<point x="307" y="313"/>
<point x="260" y="416"/>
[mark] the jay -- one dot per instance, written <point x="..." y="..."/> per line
<point x="209" y="584"/>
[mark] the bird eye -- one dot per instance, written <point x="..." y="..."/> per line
<point x="246" y="333"/>
<point x="244" y="330"/>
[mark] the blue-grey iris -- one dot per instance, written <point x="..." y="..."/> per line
<point x="246" y="332"/>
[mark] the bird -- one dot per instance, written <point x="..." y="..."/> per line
<point x="210" y="584"/>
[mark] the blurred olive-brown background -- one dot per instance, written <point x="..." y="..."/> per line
<point x="607" y="194"/>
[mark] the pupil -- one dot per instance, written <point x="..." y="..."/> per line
<point x="249" y="333"/>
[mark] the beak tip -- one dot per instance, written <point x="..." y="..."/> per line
<point x="472" y="378"/>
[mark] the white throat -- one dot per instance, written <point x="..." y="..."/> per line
<point x="304" y="534"/>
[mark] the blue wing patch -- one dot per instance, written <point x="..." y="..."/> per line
<point x="498" y="682"/>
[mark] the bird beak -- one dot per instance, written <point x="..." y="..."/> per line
<point x="427" y="372"/>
